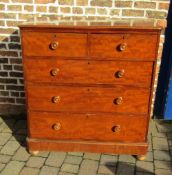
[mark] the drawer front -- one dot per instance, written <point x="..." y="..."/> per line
<point x="87" y="126"/>
<point x="120" y="46"/>
<point x="82" y="71"/>
<point x="54" y="44"/>
<point x="88" y="99"/>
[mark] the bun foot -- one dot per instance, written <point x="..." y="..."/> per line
<point x="140" y="157"/>
<point x="34" y="153"/>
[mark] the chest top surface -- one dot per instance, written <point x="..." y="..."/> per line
<point x="51" y="21"/>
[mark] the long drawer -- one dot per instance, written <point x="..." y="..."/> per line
<point x="54" y="44"/>
<point x="98" y="127"/>
<point x="123" y="46"/>
<point x="88" y="72"/>
<point x="67" y="98"/>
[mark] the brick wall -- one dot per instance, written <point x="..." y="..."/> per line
<point x="13" y="12"/>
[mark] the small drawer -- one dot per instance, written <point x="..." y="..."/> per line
<point x="88" y="72"/>
<point x="100" y="127"/>
<point x="123" y="46"/>
<point x="119" y="99"/>
<point x="54" y="44"/>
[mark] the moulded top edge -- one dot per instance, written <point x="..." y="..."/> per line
<point x="81" y="22"/>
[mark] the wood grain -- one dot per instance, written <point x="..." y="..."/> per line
<point x="88" y="72"/>
<point x="88" y="99"/>
<point x="138" y="46"/>
<point x="88" y="146"/>
<point x="89" y="87"/>
<point x="69" y="44"/>
<point x="97" y="127"/>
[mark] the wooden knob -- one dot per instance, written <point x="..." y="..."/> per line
<point x="54" y="45"/>
<point x="118" y="101"/>
<point x="56" y="99"/>
<point x="116" y="128"/>
<point x="122" y="47"/>
<point x="56" y="126"/>
<point x="120" y="73"/>
<point x="54" y="72"/>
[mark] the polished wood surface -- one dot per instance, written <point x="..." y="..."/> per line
<point x="60" y="71"/>
<point x="88" y="99"/>
<point x="124" y="46"/>
<point x="99" y="127"/>
<point x="90" y="22"/>
<point x="89" y="83"/>
<point x="67" y="44"/>
<point x="134" y="148"/>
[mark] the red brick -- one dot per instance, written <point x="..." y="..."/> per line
<point x="7" y="100"/>
<point x="132" y="13"/>
<point x="2" y="7"/>
<point x="82" y="2"/>
<point x="41" y="8"/>
<point x="15" y="61"/>
<point x="65" y="9"/>
<point x="77" y="10"/>
<point x="3" y="60"/>
<point x="28" y="8"/>
<point x="14" y="38"/>
<point x="2" y="23"/>
<point x="14" y="7"/>
<point x="162" y="23"/>
<point x="66" y="2"/>
<point x="8" y="81"/>
<point x="141" y="4"/>
<point x="3" y="46"/>
<point x="14" y="94"/>
<point x="53" y="9"/>
<point x="13" y="23"/>
<point x="114" y="12"/>
<point x="21" y="1"/>
<point x="9" y="15"/>
<point x="4" y="0"/>
<point x="25" y="16"/>
<point x="20" y="100"/>
<point x="123" y="3"/>
<point x="3" y="74"/>
<point x="15" y="87"/>
<point x="163" y="6"/>
<point x="7" y="67"/>
<point x="156" y="14"/>
<point x="8" y="31"/>
<point x="101" y="3"/>
<point x="14" y="46"/>
<point x="8" y="53"/>
<point x="44" y="1"/>
<point x="4" y="93"/>
<point x="90" y="10"/>
<point x="3" y="38"/>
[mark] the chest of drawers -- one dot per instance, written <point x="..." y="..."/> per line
<point x="89" y="84"/>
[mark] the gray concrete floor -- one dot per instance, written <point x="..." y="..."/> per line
<point x="14" y="159"/>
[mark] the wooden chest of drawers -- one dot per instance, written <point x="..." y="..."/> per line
<point x="89" y="84"/>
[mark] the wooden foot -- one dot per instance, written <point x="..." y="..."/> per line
<point x="140" y="157"/>
<point x="34" y="153"/>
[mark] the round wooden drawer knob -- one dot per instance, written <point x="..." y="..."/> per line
<point x="116" y="128"/>
<point x="56" y="99"/>
<point x="120" y="73"/>
<point x="122" y="47"/>
<point x="118" y="101"/>
<point x="56" y="126"/>
<point x="54" y="72"/>
<point x="54" y="45"/>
